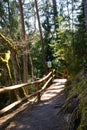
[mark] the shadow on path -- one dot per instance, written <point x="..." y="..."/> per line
<point x="43" y="116"/>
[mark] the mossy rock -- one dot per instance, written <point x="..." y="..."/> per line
<point x="75" y="119"/>
<point x="83" y="124"/>
<point x="83" y="110"/>
<point x="77" y="86"/>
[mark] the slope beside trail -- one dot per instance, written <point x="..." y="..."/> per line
<point x="44" y="115"/>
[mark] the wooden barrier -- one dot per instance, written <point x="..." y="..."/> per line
<point x="39" y="91"/>
<point x="62" y="74"/>
<point x="59" y="74"/>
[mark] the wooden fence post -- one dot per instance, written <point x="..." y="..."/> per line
<point x="37" y="89"/>
<point x="38" y="95"/>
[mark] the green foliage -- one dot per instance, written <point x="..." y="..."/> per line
<point x="83" y="110"/>
<point x="78" y="86"/>
<point x="9" y="22"/>
<point x="36" y="56"/>
<point x="62" y="52"/>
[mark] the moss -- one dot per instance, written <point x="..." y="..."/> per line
<point x="68" y="86"/>
<point x="78" y="86"/>
<point x="75" y="85"/>
<point x="83" y="123"/>
<point x="83" y="110"/>
<point x="4" y="62"/>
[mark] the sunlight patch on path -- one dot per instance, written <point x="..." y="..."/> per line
<point x="54" y="89"/>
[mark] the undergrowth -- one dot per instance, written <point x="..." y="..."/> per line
<point x="78" y="87"/>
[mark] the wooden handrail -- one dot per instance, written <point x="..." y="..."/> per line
<point x="63" y="74"/>
<point x="46" y="80"/>
<point x="10" y="88"/>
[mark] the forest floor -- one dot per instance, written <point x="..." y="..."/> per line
<point x="44" y="115"/>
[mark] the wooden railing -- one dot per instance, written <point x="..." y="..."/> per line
<point x="40" y="86"/>
<point x="61" y="74"/>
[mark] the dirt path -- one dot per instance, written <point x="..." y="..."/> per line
<point x="43" y="116"/>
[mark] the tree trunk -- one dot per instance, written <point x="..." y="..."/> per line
<point x="85" y="11"/>
<point x="73" y="30"/>
<point x="68" y="13"/>
<point x="14" y="95"/>
<point x="31" y="63"/>
<point x="15" y="67"/>
<point x="55" y="9"/>
<point x="35" y="18"/>
<point x="25" y="57"/>
<point x="13" y="58"/>
<point x="41" y="37"/>
<point x="55" y="13"/>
